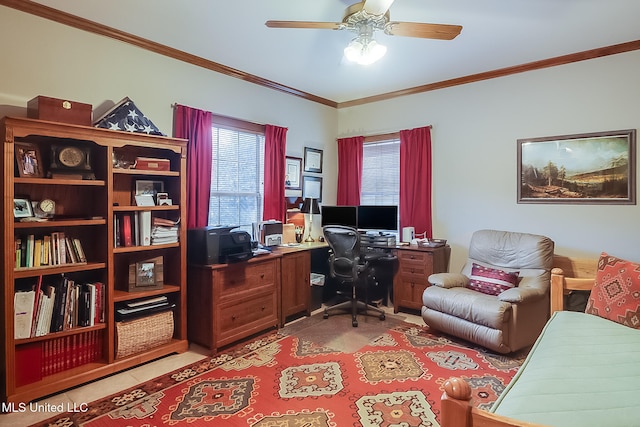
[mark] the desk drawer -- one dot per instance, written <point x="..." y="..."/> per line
<point x="414" y="256"/>
<point x="245" y="276"/>
<point x="241" y="318"/>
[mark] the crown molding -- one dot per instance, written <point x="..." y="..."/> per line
<point x="55" y="15"/>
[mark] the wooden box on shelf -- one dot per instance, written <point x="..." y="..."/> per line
<point x="59" y="110"/>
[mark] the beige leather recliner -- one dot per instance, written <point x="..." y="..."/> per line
<point x="505" y="322"/>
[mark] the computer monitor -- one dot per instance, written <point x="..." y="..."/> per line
<point x="382" y="218"/>
<point x="340" y="215"/>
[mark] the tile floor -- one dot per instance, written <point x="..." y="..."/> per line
<point x="106" y="386"/>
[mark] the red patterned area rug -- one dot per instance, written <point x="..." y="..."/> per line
<point x="315" y="372"/>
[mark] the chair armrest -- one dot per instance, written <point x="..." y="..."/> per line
<point x="449" y="280"/>
<point x="529" y="288"/>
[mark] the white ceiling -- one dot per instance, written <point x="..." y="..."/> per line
<point x="496" y="34"/>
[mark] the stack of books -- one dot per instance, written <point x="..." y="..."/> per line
<point x="144" y="307"/>
<point x="164" y="231"/>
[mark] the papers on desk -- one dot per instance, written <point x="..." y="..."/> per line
<point x="260" y="251"/>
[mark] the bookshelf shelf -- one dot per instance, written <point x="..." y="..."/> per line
<point x="58" y="269"/>
<point x="128" y="249"/>
<point x="144" y="172"/>
<point x="145" y="208"/>
<point x="122" y="296"/>
<point x="86" y="210"/>
<point x="60" y="223"/>
<point x="69" y="332"/>
<point x="58" y="181"/>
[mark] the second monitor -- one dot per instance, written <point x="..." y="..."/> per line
<point x="363" y="217"/>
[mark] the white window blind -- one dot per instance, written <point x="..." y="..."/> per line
<point x="381" y="173"/>
<point x="237" y="183"/>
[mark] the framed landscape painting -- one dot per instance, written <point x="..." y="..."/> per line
<point x="584" y="168"/>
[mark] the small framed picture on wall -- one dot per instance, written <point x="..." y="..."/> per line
<point x="312" y="187"/>
<point x="293" y="173"/>
<point x="312" y="160"/>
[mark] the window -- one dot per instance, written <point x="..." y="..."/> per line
<point x="237" y="178"/>
<point x="381" y="173"/>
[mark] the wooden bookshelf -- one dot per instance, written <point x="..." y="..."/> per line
<point x="86" y="209"/>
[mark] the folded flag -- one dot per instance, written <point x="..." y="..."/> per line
<point x="127" y="117"/>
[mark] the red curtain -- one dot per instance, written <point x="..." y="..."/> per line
<point x="275" y="147"/>
<point x="195" y="125"/>
<point x="415" y="179"/>
<point x="349" y="170"/>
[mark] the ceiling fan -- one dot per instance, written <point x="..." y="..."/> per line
<point x="364" y="18"/>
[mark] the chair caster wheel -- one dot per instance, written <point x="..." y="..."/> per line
<point x="382" y="317"/>
<point x="354" y="323"/>
<point x="325" y="316"/>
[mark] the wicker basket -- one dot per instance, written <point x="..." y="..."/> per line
<point x="141" y="334"/>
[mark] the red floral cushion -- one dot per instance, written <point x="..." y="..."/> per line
<point x="491" y="280"/>
<point x="616" y="293"/>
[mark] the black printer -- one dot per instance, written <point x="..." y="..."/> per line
<point x="218" y="245"/>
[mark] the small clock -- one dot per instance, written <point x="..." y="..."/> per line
<point x="71" y="157"/>
<point x="71" y="161"/>
<point x="45" y="208"/>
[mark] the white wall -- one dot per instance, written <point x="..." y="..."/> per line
<point x="475" y="132"/>
<point x="45" y="58"/>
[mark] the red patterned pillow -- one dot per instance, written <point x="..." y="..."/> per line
<point x="616" y="293"/>
<point x="491" y="280"/>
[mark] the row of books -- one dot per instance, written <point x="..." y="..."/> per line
<point x="57" y="307"/>
<point x="49" y="250"/>
<point x="36" y="360"/>
<point x="141" y="229"/>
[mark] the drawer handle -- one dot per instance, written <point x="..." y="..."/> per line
<point x="412" y="257"/>
<point x="263" y="308"/>
<point x="262" y="276"/>
<point x="233" y="317"/>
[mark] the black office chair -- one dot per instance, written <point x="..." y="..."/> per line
<point x="351" y="271"/>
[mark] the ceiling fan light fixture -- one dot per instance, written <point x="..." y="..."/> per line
<point x="364" y="51"/>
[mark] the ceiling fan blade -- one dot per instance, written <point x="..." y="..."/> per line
<point x="377" y="7"/>
<point x="303" y="24"/>
<point x="426" y="31"/>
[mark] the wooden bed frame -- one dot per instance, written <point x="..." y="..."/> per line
<point x="568" y="274"/>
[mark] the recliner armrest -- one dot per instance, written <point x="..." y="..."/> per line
<point x="529" y="288"/>
<point x="449" y="280"/>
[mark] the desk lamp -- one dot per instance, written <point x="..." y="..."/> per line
<point x="310" y="206"/>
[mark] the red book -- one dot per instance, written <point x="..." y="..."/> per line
<point x="126" y="231"/>
<point x="28" y="363"/>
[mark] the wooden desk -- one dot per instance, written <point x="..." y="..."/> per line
<point x="229" y="302"/>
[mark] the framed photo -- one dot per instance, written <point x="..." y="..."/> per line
<point x="312" y="187"/>
<point x="589" y="168"/>
<point x="312" y="160"/>
<point x="146" y="274"/>
<point x="149" y="188"/>
<point x="22" y="208"/>
<point x="293" y="173"/>
<point x="28" y="159"/>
